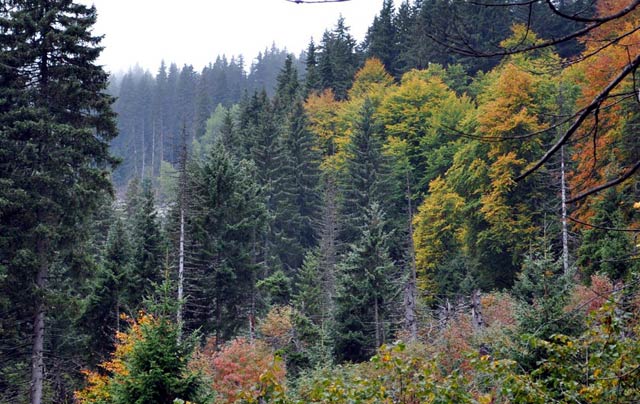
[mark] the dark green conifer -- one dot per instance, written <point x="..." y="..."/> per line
<point x="365" y="292"/>
<point x="381" y="40"/>
<point x="55" y="126"/>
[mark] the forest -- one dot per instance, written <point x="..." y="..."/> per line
<point x="444" y="212"/>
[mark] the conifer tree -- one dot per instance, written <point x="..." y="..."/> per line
<point x="109" y="297"/>
<point x="55" y="127"/>
<point x="366" y="176"/>
<point x="381" y="41"/>
<point x="312" y="78"/>
<point x="297" y="186"/>
<point x="226" y="217"/>
<point x="365" y="291"/>
<point x="338" y="60"/>
<point x="147" y="245"/>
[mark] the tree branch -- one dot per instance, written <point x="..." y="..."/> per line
<point x="604" y="186"/>
<point x="592" y="107"/>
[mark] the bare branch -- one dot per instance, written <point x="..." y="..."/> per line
<point x="604" y="186"/>
<point x="545" y="44"/>
<point x="604" y="228"/>
<point x="592" y="107"/>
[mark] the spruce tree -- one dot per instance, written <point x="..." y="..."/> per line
<point x="365" y="292"/>
<point x="55" y="126"/>
<point x="296" y="189"/>
<point x="312" y="78"/>
<point x="226" y="214"/>
<point x="338" y="60"/>
<point x="381" y="42"/>
<point x="366" y="177"/>
<point x="147" y="245"/>
<point x="109" y="298"/>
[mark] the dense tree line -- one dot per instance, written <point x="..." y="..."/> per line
<point x="154" y="109"/>
<point x="321" y="207"/>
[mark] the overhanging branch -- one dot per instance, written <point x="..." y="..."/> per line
<point x="592" y="107"/>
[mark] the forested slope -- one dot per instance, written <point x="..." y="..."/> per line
<point x="364" y="223"/>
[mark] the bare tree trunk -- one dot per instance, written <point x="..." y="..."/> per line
<point x="476" y="310"/>
<point x="376" y="319"/>
<point x="565" y="233"/>
<point x="144" y="148"/>
<point x="410" y="291"/>
<point x="180" y="273"/>
<point x="37" y="351"/>
<point x="153" y="150"/>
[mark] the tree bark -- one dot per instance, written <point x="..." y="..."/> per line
<point x="376" y="319"/>
<point x="565" y="232"/>
<point x="180" y="273"/>
<point x="410" y="292"/>
<point x="37" y="351"/>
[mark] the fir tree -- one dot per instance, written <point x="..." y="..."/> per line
<point x="366" y="176"/>
<point x="338" y="60"/>
<point x="55" y="126"/>
<point x="109" y="295"/>
<point x="226" y="214"/>
<point x="147" y="245"/>
<point x="365" y="292"/>
<point x="312" y="79"/>
<point x="381" y="42"/>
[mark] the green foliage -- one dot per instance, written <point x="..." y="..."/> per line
<point x="544" y="291"/>
<point x="56" y="124"/>
<point x="605" y="252"/>
<point x="147" y="247"/>
<point x="109" y="296"/>
<point x="365" y="292"/>
<point x="148" y="366"/>
<point x="225" y="215"/>
<point x="338" y="60"/>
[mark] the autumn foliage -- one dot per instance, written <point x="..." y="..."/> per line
<point x="235" y="370"/>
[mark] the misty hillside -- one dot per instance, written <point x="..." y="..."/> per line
<point x="444" y="211"/>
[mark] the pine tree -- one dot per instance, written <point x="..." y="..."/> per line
<point x="55" y="127"/>
<point x="365" y="292"/>
<point x="147" y="245"/>
<point x="296" y="187"/>
<point x="338" y="60"/>
<point x="381" y="42"/>
<point x="287" y="89"/>
<point x="226" y="214"/>
<point x="312" y="78"/>
<point x="261" y="128"/>
<point x="366" y="176"/>
<point x="109" y="295"/>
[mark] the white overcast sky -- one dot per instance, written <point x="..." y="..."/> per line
<point x="195" y="31"/>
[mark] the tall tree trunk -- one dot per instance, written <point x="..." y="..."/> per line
<point x="37" y="351"/>
<point x="144" y="147"/>
<point x="376" y="319"/>
<point x="410" y="291"/>
<point x="476" y="310"/>
<point x="153" y="150"/>
<point x="180" y="273"/>
<point x="328" y="252"/>
<point x="565" y="233"/>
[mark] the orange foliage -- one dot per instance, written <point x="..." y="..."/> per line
<point x="277" y="326"/>
<point x="98" y="381"/>
<point x="498" y="310"/>
<point x="605" y="61"/>
<point x="370" y="78"/>
<point x="509" y="110"/>
<point x="235" y="370"/>
<point x="590" y="298"/>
